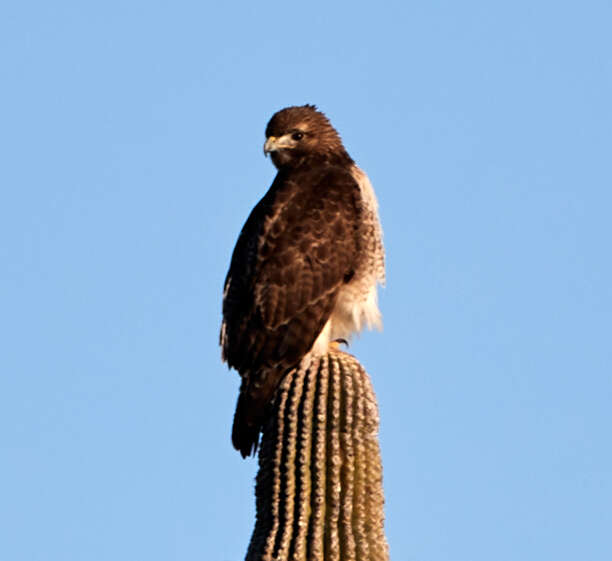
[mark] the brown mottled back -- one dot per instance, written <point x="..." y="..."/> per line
<point x="300" y="245"/>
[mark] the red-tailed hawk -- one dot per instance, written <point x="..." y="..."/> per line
<point x="305" y="267"/>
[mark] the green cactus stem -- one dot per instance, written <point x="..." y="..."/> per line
<point x="319" y="493"/>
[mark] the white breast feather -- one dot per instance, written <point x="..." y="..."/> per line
<point x="357" y="304"/>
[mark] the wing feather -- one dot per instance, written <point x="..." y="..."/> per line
<point x="291" y="258"/>
<point x="297" y="248"/>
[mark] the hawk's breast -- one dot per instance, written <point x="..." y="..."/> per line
<point x="357" y="303"/>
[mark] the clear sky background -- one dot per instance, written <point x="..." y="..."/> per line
<point x="131" y="141"/>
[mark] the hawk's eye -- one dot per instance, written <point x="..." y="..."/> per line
<point x="297" y="135"/>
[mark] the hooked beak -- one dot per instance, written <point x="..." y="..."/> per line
<point x="274" y="143"/>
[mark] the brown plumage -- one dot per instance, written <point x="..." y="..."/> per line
<point x="305" y="266"/>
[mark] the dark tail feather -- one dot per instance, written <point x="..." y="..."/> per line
<point x="247" y="425"/>
<point x="253" y="407"/>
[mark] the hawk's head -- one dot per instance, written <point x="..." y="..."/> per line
<point x="296" y="135"/>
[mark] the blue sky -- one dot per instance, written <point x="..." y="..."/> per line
<point x="131" y="146"/>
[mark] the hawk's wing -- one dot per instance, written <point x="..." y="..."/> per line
<point x="297" y="248"/>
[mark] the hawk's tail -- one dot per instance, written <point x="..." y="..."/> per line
<point x="252" y="409"/>
<point x="246" y="429"/>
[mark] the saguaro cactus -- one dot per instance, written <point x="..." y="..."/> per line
<point x="319" y="490"/>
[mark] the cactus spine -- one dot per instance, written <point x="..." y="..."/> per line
<point x="319" y="490"/>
